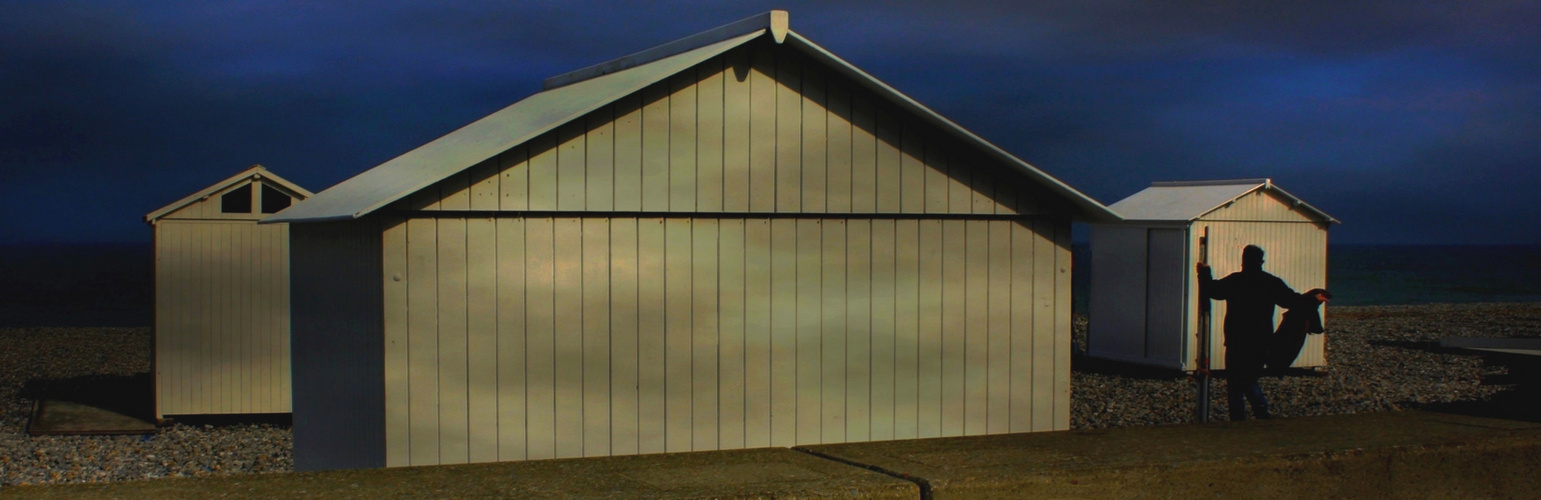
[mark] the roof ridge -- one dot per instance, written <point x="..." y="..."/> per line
<point x="1216" y="182"/>
<point x="776" y="21"/>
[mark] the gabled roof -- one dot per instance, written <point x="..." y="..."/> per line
<point x="252" y="172"/>
<point x="570" y="96"/>
<point x="1189" y="201"/>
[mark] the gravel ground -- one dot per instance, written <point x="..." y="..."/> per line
<point x="1381" y="359"/>
<point x="30" y="357"/>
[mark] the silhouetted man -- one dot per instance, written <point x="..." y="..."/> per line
<point x="1250" y="296"/>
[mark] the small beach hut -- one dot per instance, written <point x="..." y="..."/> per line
<point x="1144" y="289"/>
<point x="222" y="298"/>
<point x="733" y="240"/>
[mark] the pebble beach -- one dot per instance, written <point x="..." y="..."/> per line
<point x="1381" y="358"/>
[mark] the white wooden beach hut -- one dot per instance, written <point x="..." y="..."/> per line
<point x="733" y="240"/>
<point x="1144" y="295"/>
<point x="222" y="298"/>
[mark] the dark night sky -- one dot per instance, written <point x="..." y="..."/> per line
<point x="1413" y="121"/>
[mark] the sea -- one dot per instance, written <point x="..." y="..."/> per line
<point x="113" y="284"/>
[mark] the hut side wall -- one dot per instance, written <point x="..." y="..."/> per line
<point x="1138" y="291"/>
<point x="756" y="130"/>
<point x="1118" y="287"/>
<point x="221" y="317"/>
<point x="338" y="392"/>
<point x="1295" y="252"/>
<point x="514" y="338"/>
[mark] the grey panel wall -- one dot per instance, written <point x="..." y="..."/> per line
<point x="337" y="347"/>
<point x="1167" y="276"/>
<point x="1118" y="287"/>
<point x="524" y="338"/>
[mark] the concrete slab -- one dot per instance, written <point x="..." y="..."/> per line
<point x="1400" y="454"/>
<point x="758" y="473"/>
<point x="59" y="417"/>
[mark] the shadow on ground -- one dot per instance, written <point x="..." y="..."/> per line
<point x="129" y="395"/>
<point x="1087" y="364"/>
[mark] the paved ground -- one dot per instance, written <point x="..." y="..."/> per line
<point x="1396" y="454"/>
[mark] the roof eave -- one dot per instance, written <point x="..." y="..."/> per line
<point x="455" y="141"/>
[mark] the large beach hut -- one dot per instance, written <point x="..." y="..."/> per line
<point x="1144" y="291"/>
<point x="733" y="240"/>
<point x="222" y="298"/>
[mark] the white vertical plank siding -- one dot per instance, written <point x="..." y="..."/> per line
<point x="930" y="347"/>
<point x="540" y="338"/>
<point x="623" y="346"/>
<point x="858" y="320"/>
<point x="596" y="337"/>
<point x="783" y="332"/>
<point x="906" y="331"/>
<point x="757" y="333"/>
<point x="732" y="362"/>
<point x="567" y="336"/>
<point x="481" y="339"/>
<point x="643" y="335"/>
<point x="222" y="316"/>
<point x="678" y="324"/>
<point x="651" y="348"/>
<point x="976" y="343"/>
<point x="833" y="359"/>
<point x="808" y="303"/>
<point x="680" y="328"/>
<point x="705" y="353"/>
<point x="954" y="327"/>
<point x="883" y="328"/>
<point x="454" y="437"/>
<point x="789" y="141"/>
<point x="397" y="372"/>
<point x="710" y="107"/>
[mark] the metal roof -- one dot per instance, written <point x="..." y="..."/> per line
<point x="254" y="171"/>
<point x="1191" y="200"/>
<point x="570" y="96"/>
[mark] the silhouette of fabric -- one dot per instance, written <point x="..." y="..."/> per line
<point x="1303" y="319"/>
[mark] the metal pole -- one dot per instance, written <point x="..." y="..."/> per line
<point x="1203" y="338"/>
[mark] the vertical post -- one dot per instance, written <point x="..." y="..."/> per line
<point x="1202" y="373"/>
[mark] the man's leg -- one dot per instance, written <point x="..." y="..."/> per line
<point x="1235" y="398"/>
<point x="1259" y="402"/>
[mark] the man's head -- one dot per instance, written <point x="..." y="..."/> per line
<point x="1252" y="257"/>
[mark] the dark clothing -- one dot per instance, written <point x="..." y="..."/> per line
<point x="1250" y="297"/>
<point x="1298" y="321"/>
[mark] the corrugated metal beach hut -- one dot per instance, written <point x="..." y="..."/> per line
<point x="1144" y="291"/>
<point x="733" y="240"/>
<point x="222" y="298"/>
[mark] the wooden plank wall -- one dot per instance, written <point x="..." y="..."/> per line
<point x="754" y="130"/>
<point x="222" y="317"/>
<point x="528" y="338"/>
<point x="1296" y="252"/>
<point x="914" y="294"/>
